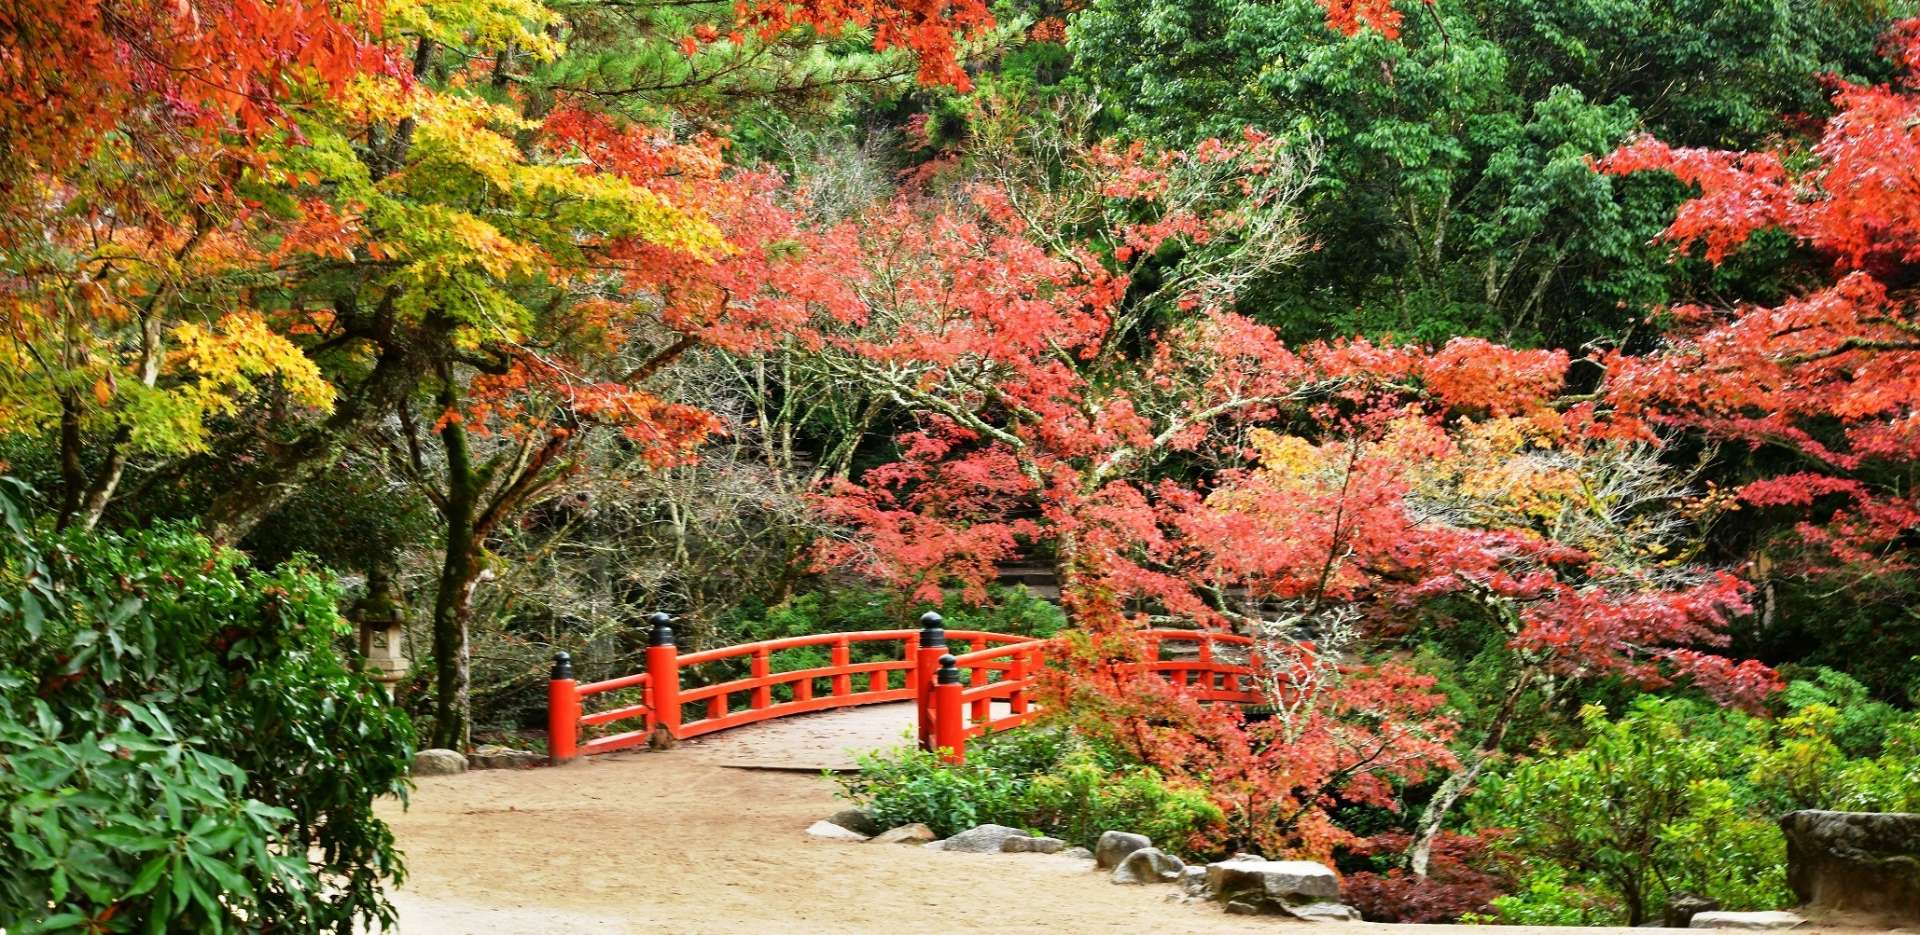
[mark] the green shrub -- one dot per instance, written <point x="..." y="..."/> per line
<point x="908" y="785"/>
<point x="1643" y="810"/>
<point x="1042" y="780"/>
<point x="185" y="749"/>
<point x="1546" y="897"/>
<point x="1083" y="797"/>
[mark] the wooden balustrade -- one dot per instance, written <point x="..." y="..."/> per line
<point x="950" y="708"/>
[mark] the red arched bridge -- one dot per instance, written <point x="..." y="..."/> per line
<point x="963" y="683"/>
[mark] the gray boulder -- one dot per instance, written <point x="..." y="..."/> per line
<point x="1682" y="907"/>
<point x="1747" y="921"/>
<point x="494" y="756"/>
<point x="915" y="833"/>
<point x="828" y="831"/>
<point x="1254" y="886"/>
<point x="984" y="839"/>
<point x="1856" y="862"/>
<point x="1324" y="912"/>
<point x="1148" y="865"/>
<point x="1077" y="853"/>
<point x="1114" y="846"/>
<point x="1035" y="845"/>
<point x="857" y="820"/>
<point x="439" y="761"/>
<point x="1193" y="882"/>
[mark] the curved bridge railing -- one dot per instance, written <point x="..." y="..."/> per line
<point x="987" y="686"/>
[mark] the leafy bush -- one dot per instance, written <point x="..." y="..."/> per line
<point x="186" y="751"/>
<point x="1462" y="879"/>
<point x="1641" y="811"/>
<point x="904" y="786"/>
<point x="1083" y="797"/>
<point x="1042" y="780"/>
<point x="1547" y="896"/>
<point x="907" y="785"/>
<point x="1805" y="765"/>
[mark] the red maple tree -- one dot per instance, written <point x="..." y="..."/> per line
<point x="1201" y="473"/>
<point x="1831" y="375"/>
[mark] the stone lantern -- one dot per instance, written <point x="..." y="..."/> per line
<point x="383" y="638"/>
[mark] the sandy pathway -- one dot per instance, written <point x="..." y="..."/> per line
<point x="681" y="842"/>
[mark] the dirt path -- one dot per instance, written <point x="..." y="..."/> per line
<point x="688" y="841"/>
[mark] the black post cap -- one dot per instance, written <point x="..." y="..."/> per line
<point x="562" y="666"/>
<point x="662" y="629"/>
<point x="932" y="633"/>
<point x="949" y="673"/>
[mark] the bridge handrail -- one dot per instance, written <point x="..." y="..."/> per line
<point x="614" y="684"/>
<point x="1001" y="671"/>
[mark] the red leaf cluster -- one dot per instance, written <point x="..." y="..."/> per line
<point x="1463" y="877"/>
<point x="71" y="69"/>
<point x="1832" y="374"/>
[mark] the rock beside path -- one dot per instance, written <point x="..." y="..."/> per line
<point x="493" y="756"/>
<point x="859" y="821"/>
<point x="1148" y="865"/>
<point x="1682" y="907"/>
<point x="1256" y="886"/>
<point x="1324" y="912"/>
<point x="1114" y="846"/>
<point x="1855" y="862"/>
<point x="828" y="831"/>
<point x="1746" y="921"/>
<point x="1193" y="882"/>
<point x="1034" y="845"/>
<point x="984" y="839"/>
<point x="915" y="833"/>
<point x="439" y="761"/>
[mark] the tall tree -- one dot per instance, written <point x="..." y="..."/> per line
<point x="1821" y="387"/>
<point x="1453" y="197"/>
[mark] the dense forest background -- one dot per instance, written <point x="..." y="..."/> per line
<point x="517" y="321"/>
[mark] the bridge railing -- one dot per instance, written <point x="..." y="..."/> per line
<point x="1221" y="666"/>
<point x="949" y="708"/>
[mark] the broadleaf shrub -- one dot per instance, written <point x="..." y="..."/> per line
<point x="1044" y="780"/>
<point x="185" y="750"/>
<point x="1640" y="812"/>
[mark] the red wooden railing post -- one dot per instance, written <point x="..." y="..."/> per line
<point x="761" y="667"/>
<point x="663" y="675"/>
<point x="1017" y="676"/>
<point x="926" y="662"/>
<point x="563" y="712"/>
<point x="950" y="726"/>
<point x="982" y="706"/>
<point x="842" y="658"/>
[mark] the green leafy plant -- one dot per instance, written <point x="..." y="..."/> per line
<point x="1641" y="811"/>
<point x="185" y="749"/>
<point x="1047" y="780"/>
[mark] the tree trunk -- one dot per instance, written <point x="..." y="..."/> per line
<point x="403" y="360"/>
<point x="73" y="476"/>
<point x="452" y="614"/>
<point x="1630" y="893"/>
<point x="1420" y="852"/>
<point x="459" y="574"/>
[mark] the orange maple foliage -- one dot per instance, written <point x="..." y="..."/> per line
<point x="70" y="69"/>
<point x="933" y="30"/>
<point x="1832" y="374"/>
<point x="1350" y="16"/>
